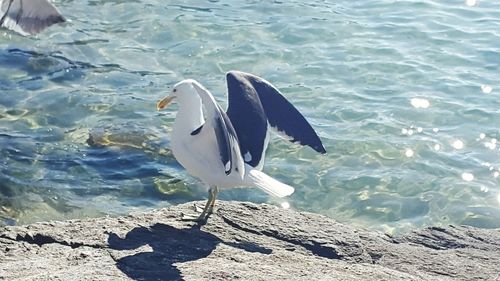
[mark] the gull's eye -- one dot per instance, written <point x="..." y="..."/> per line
<point x="175" y="90"/>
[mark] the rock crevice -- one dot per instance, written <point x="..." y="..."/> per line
<point x="314" y="247"/>
<point x="42" y="239"/>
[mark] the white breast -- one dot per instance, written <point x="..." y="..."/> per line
<point x="199" y="155"/>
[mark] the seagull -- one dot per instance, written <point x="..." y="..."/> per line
<point x="28" y="17"/>
<point x="227" y="149"/>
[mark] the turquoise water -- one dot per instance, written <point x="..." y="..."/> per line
<point x="404" y="94"/>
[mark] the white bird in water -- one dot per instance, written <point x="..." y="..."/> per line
<point x="227" y="149"/>
<point x="28" y="17"/>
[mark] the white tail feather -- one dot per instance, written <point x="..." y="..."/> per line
<point x="268" y="184"/>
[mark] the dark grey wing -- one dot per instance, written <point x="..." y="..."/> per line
<point x="224" y="132"/>
<point x="248" y="118"/>
<point x="28" y="16"/>
<point x="227" y="139"/>
<point x="280" y="113"/>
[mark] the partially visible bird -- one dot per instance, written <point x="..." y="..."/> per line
<point x="28" y="17"/>
<point x="227" y="149"/>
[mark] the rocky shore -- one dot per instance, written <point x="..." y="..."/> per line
<point x="242" y="241"/>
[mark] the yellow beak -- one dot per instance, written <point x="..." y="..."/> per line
<point x="164" y="102"/>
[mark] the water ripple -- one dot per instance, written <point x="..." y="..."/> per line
<point x="403" y="93"/>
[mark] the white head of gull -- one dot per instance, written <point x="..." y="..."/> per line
<point x="227" y="149"/>
<point x="28" y="17"/>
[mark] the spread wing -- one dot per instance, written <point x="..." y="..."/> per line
<point x="248" y="118"/>
<point x="254" y="103"/>
<point x="28" y="16"/>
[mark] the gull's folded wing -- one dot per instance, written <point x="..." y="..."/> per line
<point x="227" y="140"/>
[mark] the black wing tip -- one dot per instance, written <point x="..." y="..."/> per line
<point x="317" y="147"/>
<point x="59" y="19"/>
<point x="39" y="25"/>
<point x="321" y="150"/>
<point x="238" y="73"/>
<point x="231" y="76"/>
<point x="46" y="23"/>
<point x="234" y="73"/>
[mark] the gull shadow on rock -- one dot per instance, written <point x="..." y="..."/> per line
<point x="169" y="245"/>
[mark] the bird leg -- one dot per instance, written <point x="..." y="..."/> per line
<point x="209" y="206"/>
<point x="214" y="192"/>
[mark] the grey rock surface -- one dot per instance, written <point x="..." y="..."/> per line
<point x="242" y="241"/>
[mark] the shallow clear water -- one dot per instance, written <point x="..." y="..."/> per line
<point x="404" y="94"/>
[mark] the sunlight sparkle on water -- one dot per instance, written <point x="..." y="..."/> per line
<point x="435" y="130"/>
<point x="492" y="144"/>
<point x="471" y="3"/>
<point x="419" y="103"/>
<point x="467" y="176"/>
<point x="482" y="135"/>
<point x="437" y="147"/>
<point x="457" y="144"/>
<point x="285" y="205"/>
<point x="409" y="152"/>
<point x="486" y="89"/>
<point x="408" y="132"/>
